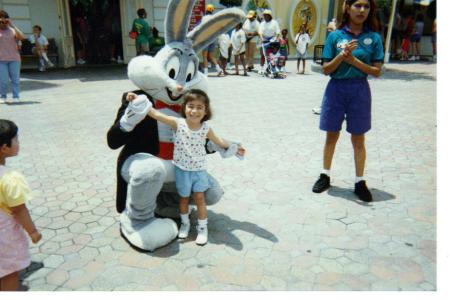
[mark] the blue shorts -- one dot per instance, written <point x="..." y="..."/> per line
<point x="348" y="99"/>
<point x="190" y="181"/>
<point x="415" y="38"/>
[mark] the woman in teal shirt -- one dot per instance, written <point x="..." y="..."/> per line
<point x="351" y="53"/>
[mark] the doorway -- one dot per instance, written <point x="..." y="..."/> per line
<point x="97" y="33"/>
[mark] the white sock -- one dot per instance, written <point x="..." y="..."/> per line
<point x="44" y="55"/>
<point x="358" y="179"/>
<point x="326" y="172"/>
<point x="185" y="218"/>
<point x="203" y="223"/>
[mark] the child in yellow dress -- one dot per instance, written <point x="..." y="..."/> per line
<point x="15" y="219"/>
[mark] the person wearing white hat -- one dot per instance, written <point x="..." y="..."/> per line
<point x="251" y="27"/>
<point x="268" y="30"/>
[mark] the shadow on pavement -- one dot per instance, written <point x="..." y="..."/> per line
<point x="31" y="85"/>
<point x="33" y="267"/>
<point x="220" y="231"/>
<point x="84" y="74"/>
<point x="408" y="76"/>
<point x="23" y="103"/>
<point x="346" y="193"/>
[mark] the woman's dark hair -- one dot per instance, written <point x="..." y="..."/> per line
<point x="141" y="12"/>
<point x="38" y="27"/>
<point x="8" y="131"/>
<point x="371" y="20"/>
<point x="4" y="14"/>
<point x="195" y="94"/>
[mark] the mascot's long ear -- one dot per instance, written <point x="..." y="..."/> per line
<point x="178" y="15"/>
<point x="211" y="27"/>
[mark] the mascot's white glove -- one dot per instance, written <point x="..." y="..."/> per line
<point x="135" y="112"/>
<point x="225" y="153"/>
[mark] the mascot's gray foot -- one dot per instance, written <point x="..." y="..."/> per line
<point x="148" y="235"/>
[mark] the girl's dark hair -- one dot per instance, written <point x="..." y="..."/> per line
<point x="8" y="131"/>
<point x="141" y="12"/>
<point x="4" y="14"/>
<point x="371" y="20"/>
<point x="195" y="94"/>
<point x="284" y="30"/>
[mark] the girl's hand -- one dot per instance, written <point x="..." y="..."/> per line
<point x="352" y="45"/>
<point x="241" y="151"/>
<point x="131" y="96"/>
<point x="35" y="237"/>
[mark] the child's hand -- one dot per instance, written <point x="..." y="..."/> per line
<point x="241" y="151"/>
<point x="131" y="96"/>
<point x="352" y="45"/>
<point x="35" y="237"/>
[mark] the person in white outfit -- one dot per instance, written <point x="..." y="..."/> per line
<point x="238" y="40"/>
<point x="268" y="31"/>
<point x="251" y="27"/>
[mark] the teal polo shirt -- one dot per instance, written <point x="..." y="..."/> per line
<point x="370" y="50"/>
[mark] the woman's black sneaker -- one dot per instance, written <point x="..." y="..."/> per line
<point x="322" y="184"/>
<point x="362" y="191"/>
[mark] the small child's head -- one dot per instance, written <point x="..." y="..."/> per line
<point x="302" y="28"/>
<point x="284" y="32"/>
<point x="142" y="13"/>
<point x="37" y="29"/>
<point x="197" y="101"/>
<point x="9" y="144"/>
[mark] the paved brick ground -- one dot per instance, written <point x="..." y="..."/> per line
<point x="269" y="232"/>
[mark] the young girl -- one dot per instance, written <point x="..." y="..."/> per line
<point x="302" y="41"/>
<point x="14" y="216"/>
<point x="189" y="156"/>
<point x="238" y="41"/>
<point x="350" y="54"/>
<point x="284" y="44"/>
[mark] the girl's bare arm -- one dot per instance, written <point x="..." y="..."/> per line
<point x="217" y="140"/>
<point x="23" y="217"/>
<point x="374" y="69"/>
<point x="153" y="113"/>
<point x="169" y="120"/>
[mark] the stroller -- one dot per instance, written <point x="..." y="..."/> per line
<point x="274" y="66"/>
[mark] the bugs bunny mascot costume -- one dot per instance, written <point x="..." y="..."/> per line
<point x="145" y="174"/>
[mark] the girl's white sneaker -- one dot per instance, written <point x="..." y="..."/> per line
<point x="184" y="230"/>
<point x="202" y="235"/>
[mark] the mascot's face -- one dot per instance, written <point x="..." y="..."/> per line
<point x="168" y="75"/>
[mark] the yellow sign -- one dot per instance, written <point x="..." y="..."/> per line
<point x="305" y="13"/>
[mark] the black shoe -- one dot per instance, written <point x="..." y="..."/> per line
<point x="362" y="191"/>
<point x="322" y="184"/>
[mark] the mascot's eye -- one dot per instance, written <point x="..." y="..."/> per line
<point x="173" y="67"/>
<point x="190" y="71"/>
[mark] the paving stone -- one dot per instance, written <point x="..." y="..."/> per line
<point x="269" y="231"/>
